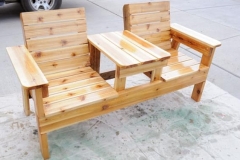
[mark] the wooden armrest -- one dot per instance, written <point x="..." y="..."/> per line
<point x="179" y="31"/>
<point x="27" y="70"/>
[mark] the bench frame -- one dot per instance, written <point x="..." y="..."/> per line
<point x="34" y="83"/>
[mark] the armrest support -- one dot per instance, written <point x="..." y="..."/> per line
<point x="194" y="40"/>
<point x="27" y="70"/>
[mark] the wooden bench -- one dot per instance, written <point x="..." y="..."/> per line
<point x="151" y="21"/>
<point x="60" y="70"/>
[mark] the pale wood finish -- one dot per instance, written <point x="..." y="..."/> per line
<point x="139" y="18"/>
<point x="149" y="20"/>
<point x="26" y="68"/>
<point x="62" y="76"/>
<point x="54" y="66"/>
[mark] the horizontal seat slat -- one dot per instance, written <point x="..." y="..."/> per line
<point x="67" y="73"/>
<point x="56" y="42"/>
<point x="58" y="28"/>
<point x="61" y="53"/>
<point x="64" y="64"/>
<point x="79" y="101"/>
<point x="76" y="92"/>
<point x="179" y="66"/>
<point x="149" y="17"/>
<point x="72" y="85"/>
<point x="178" y="59"/>
<point x="183" y="72"/>
<point x="52" y="16"/>
<point x="73" y="78"/>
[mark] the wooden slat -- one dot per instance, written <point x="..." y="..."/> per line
<point x="30" y="18"/>
<point x="64" y="64"/>
<point x="137" y="53"/>
<point x="57" y="28"/>
<point x="75" y="92"/>
<point x="72" y="78"/>
<point x="80" y="101"/>
<point x="149" y="17"/>
<point x="68" y="73"/>
<point x="177" y="59"/>
<point x="165" y="45"/>
<point x="27" y="70"/>
<point x="145" y="45"/>
<point x="155" y="37"/>
<point x="193" y="35"/>
<point x="56" y="42"/>
<point x="112" y="52"/>
<point x="179" y="66"/>
<point x="61" y="53"/>
<point x="148" y="7"/>
<point x="142" y="68"/>
<point x="183" y="72"/>
<point x="72" y="85"/>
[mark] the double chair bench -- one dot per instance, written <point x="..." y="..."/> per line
<point x="58" y="66"/>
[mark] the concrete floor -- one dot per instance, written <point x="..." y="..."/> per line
<point x="119" y="130"/>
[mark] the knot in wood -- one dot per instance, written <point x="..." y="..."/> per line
<point x="40" y="19"/>
<point x="38" y="54"/>
<point x="105" y="107"/>
<point x="198" y="91"/>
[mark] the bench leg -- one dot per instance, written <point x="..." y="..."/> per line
<point x="25" y="95"/>
<point x="197" y="91"/>
<point x="43" y="140"/>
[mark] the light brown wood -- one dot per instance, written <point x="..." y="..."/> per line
<point x="94" y="58"/>
<point x="57" y="28"/>
<point x="117" y="55"/>
<point x="195" y="36"/>
<point x="60" y="53"/>
<point x="140" y="69"/>
<point x="126" y="98"/>
<point x="149" y="21"/>
<point x="149" y="17"/>
<point x="120" y="82"/>
<point x="61" y="71"/>
<point x="25" y="95"/>
<point x="26" y="68"/>
<point x="32" y="18"/>
<point x="75" y="84"/>
<point x="53" y="42"/>
<point x="64" y="64"/>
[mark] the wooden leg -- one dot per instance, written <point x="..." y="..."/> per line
<point x="25" y="95"/>
<point x="197" y="91"/>
<point x="156" y="74"/>
<point x="94" y="58"/>
<point x="43" y="140"/>
<point x="119" y="83"/>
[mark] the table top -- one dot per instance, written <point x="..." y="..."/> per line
<point x="127" y="49"/>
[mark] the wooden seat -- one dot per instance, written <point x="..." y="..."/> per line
<point x="151" y="21"/>
<point x="54" y="67"/>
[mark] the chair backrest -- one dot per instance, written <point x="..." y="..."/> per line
<point x="57" y="39"/>
<point x="150" y="21"/>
